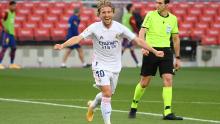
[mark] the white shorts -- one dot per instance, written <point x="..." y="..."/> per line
<point x="103" y="78"/>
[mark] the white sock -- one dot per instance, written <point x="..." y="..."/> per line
<point x="84" y="63"/>
<point x="106" y="109"/>
<point x="97" y="100"/>
<point x="63" y="64"/>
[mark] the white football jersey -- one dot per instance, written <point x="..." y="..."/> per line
<point x="107" y="44"/>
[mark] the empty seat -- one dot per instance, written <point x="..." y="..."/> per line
<point x="35" y="18"/>
<point x="202" y="25"/>
<point x="24" y="11"/>
<point x="47" y="25"/>
<point x="184" y="33"/>
<point x="75" y="4"/>
<point x="210" y="11"/>
<point x="20" y="18"/>
<point x="62" y="25"/>
<point x="62" y="5"/>
<point x="197" y="33"/>
<point x="206" y="40"/>
<point x="25" y="34"/>
<point x="215" y="25"/>
<point x="42" y="34"/>
<point x="213" y="32"/>
<point x="39" y="11"/>
<point x="206" y="18"/>
<point x="51" y="18"/>
<point x="188" y="25"/>
<point x="194" y="11"/>
<point x="82" y="27"/>
<point x="190" y="18"/>
<point x="55" y="11"/>
<point x="30" y="25"/>
<point x="58" y="34"/>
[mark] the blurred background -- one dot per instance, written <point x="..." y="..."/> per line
<point x="41" y="24"/>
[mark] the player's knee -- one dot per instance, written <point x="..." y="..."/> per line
<point x="144" y="82"/>
<point x="168" y="81"/>
<point x="107" y="94"/>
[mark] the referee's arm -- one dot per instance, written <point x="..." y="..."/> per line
<point x="176" y="42"/>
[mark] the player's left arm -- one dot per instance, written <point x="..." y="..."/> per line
<point x="176" y="44"/>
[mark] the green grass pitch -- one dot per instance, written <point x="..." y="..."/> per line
<point x="59" y="96"/>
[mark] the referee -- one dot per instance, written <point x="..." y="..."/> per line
<point x="159" y="26"/>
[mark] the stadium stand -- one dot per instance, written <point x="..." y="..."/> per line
<point x="197" y="22"/>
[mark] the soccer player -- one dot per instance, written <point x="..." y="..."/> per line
<point x="8" y="33"/>
<point x="129" y="21"/>
<point x="107" y="36"/>
<point x="73" y="23"/>
<point x="159" y="26"/>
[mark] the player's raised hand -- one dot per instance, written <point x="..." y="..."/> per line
<point x="159" y="54"/>
<point x="58" y="46"/>
<point x="145" y="52"/>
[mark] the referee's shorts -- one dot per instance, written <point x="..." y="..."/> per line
<point x="150" y="63"/>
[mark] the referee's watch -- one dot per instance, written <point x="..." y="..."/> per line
<point x="178" y="57"/>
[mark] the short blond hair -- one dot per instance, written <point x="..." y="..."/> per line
<point x="104" y="3"/>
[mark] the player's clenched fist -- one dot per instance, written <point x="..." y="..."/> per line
<point x="58" y="46"/>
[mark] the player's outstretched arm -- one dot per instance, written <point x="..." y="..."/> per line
<point x="72" y="41"/>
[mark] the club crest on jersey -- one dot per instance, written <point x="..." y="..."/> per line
<point x="117" y="36"/>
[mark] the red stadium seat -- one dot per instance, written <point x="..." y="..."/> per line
<point x="194" y="11"/>
<point x="46" y="25"/>
<point x="18" y="25"/>
<point x="151" y="5"/>
<point x="213" y="32"/>
<point x="198" y="5"/>
<point x="82" y="27"/>
<point x="188" y="25"/>
<point x="28" y="4"/>
<point x="31" y="25"/>
<point x="206" y="18"/>
<point x="84" y="19"/>
<point x="55" y="11"/>
<point x="183" y="5"/>
<point x="137" y="5"/>
<point x="210" y="11"/>
<point x="44" y="4"/>
<point x="24" y="11"/>
<point x="62" y="25"/>
<point x="197" y="33"/>
<point x="184" y="33"/>
<point x="62" y="5"/>
<point x="68" y="11"/>
<point x="51" y="18"/>
<point x="179" y="11"/>
<point x="214" y="5"/>
<point x="64" y="18"/>
<point x="206" y="40"/>
<point x="34" y="18"/>
<point x="39" y="11"/>
<point x="25" y="34"/>
<point x="215" y="25"/>
<point x="75" y="4"/>
<point x="202" y="25"/>
<point x="87" y="12"/>
<point x="216" y="18"/>
<point x="20" y="18"/>
<point x="190" y="18"/>
<point x="58" y="34"/>
<point x="42" y="34"/>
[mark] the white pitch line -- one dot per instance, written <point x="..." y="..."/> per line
<point x="115" y="100"/>
<point x="80" y="107"/>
